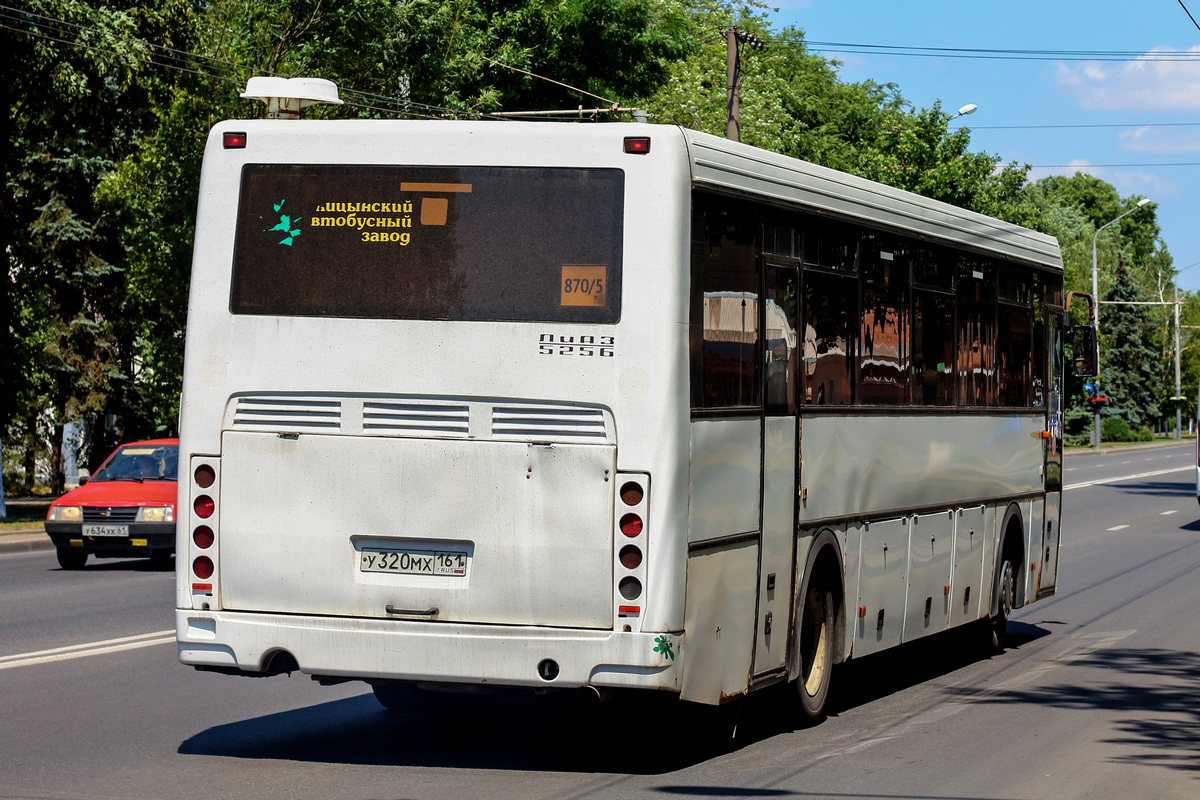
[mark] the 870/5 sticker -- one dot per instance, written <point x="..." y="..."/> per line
<point x="587" y="346"/>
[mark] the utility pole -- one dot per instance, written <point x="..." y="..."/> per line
<point x="733" y="69"/>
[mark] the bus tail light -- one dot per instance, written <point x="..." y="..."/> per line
<point x="638" y="145"/>
<point x="204" y="533"/>
<point x="204" y="506"/>
<point x="202" y="568"/>
<point x="632" y="509"/>
<point x="204" y="537"/>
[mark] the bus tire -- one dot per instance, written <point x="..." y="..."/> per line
<point x="71" y="557"/>
<point x="816" y="652"/>
<point x="1006" y="590"/>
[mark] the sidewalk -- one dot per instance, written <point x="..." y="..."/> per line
<point x="1085" y="450"/>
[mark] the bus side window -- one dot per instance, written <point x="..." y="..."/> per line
<point x="729" y="314"/>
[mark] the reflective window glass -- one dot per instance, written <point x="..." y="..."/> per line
<point x="933" y="348"/>
<point x="976" y="333"/>
<point x="885" y="349"/>
<point x="830" y="325"/>
<point x="728" y="310"/>
<point x="781" y="353"/>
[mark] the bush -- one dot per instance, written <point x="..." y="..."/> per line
<point x="1115" y="429"/>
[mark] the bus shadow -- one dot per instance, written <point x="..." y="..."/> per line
<point x="505" y="732"/>
<point x="1153" y="689"/>
<point x="521" y="731"/>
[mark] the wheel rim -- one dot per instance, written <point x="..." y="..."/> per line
<point x="813" y="643"/>
<point x="1006" y="589"/>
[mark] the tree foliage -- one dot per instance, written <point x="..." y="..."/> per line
<point x="109" y="104"/>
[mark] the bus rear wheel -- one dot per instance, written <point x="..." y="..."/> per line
<point x="1006" y="586"/>
<point x="816" y="653"/>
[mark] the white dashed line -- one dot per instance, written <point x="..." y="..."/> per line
<point x="1168" y="513"/>
<point x="1118" y="528"/>
<point x="1128" y="477"/>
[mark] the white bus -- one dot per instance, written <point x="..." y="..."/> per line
<point x="619" y="406"/>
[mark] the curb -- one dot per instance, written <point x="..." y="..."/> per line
<point x="1132" y="448"/>
<point x="25" y="542"/>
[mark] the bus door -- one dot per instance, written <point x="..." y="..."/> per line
<point x="1054" y="461"/>
<point x="780" y="459"/>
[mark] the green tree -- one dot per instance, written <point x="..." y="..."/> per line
<point x="1130" y="376"/>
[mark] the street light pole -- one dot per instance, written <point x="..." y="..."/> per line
<point x="1096" y="295"/>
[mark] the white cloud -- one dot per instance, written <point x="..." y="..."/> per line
<point x="1161" y="140"/>
<point x="1146" y="84"/>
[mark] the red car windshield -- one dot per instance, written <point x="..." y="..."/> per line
<point x="141" y="462"/>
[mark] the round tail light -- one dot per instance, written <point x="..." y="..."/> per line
<point x="202" y="568"/>
<point x="204" y="506"/>
<point x="205" y="476"/>
<point x="631" y="557"/>
<point x="631" y="525"/>
<point x="203" y="537"/>
<point x="631" y="494"/>
<point x="630" y="588"/>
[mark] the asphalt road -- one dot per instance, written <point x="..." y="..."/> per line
<point x="1097" y="697"/>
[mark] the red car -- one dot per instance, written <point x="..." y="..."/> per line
<point x="126" y="509"/>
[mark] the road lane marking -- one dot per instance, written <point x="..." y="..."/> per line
<point x="1128" y="477"/>
<point x="86" y="650"/>
<point x="1168" y="513"/>
<point x="1117" y="528"/>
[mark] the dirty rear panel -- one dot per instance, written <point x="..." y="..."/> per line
<point x="521" y="532"/>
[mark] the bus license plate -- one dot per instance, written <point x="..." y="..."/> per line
<point x="414" y="562"/>
<point x="105" y="530"/>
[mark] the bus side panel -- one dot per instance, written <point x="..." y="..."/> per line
<point x="719" y="620"/>
<point x="883" y="586"/>
<point x="967" y="589"/>
<point x="884" y="464"/>
<point x="931" y="546"/>
<point x="726" y="460"/>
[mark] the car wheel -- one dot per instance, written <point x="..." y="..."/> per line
<point x="71" y="557"/>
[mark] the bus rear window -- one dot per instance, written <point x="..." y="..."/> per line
<point x="450" y="243"/>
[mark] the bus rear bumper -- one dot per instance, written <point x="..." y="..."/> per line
<point x="429" y="652"/>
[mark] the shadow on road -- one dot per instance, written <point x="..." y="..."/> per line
<point x="1159" y="488"/>
<point x="1155" y="688"/>
<point x="521" y="731"/>
<point x="510" y="732"/>
<point x="121" y="565"/>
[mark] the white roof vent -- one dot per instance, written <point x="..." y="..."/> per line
<point x="285" y="97"/>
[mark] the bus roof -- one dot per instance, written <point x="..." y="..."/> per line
<point x="728" y="166"/>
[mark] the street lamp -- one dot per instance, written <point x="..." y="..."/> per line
<point x="1096" y="296"/>
<point x="969" y="108"/>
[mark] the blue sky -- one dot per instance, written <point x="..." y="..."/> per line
<point x="1137" y="96"/>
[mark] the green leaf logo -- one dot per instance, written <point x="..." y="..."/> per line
<point x="662" y="644"/>
<point x="285" y="225"/>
